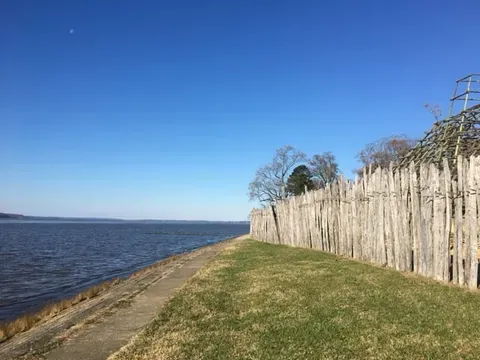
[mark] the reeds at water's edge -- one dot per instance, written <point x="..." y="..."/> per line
<point x="27" y="321"/>
<point x="49" y="311"/>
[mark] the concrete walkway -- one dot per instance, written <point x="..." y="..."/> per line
<point x="104" y="336"/>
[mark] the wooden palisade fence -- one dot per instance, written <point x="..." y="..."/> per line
<point x="419" y="219"/>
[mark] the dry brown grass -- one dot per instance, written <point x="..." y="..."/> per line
<point x="27" y="321"/>
<point x="49" y="311"/>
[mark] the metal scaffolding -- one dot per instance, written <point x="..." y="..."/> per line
<point x="458" y="134"/>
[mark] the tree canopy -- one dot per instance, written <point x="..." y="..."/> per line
<point x="324" y="169"/>
<point x="270" y="181"/>
<point x="299" y="180"/>
<point x="384" y="151"/>
<point x="290" y="172"/>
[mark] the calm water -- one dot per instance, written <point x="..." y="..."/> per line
<point x="46" y="261"/>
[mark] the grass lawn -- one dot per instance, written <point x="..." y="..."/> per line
<point x="262" y="301"/>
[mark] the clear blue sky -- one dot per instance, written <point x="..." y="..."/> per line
<point x="164" y="109"/>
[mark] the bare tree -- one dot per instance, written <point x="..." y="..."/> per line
<point x="269" y="183"/>
<point x="384" y="151"/>
<point x="324" y="169"/>
<point x="435" y="110"/>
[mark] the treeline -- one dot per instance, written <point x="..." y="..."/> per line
<point x="11" y="216"/>
<point x="292" y="173"/>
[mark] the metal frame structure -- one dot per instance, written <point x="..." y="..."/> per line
<point x="456" y="135"/>
<point x="470" y="92"/>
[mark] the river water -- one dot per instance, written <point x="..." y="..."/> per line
<point x="42" y="262"/>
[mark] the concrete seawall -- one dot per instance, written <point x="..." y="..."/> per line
<point x="95" y="328"/>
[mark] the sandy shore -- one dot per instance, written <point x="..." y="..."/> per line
<point x="95" y="328"/>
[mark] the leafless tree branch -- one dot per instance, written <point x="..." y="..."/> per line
<point x="324" y="169"/>
<point x="270" y="180"/>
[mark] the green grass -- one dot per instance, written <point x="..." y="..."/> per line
<point x="261" y="301"/>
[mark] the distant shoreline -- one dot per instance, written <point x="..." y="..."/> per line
<point x="20" y="217"/>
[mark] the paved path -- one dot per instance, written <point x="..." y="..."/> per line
<point x="98" y="341"/>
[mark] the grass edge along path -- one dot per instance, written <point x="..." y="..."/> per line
<point x="263" y="301"/>
<point x="28" y="320"/>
